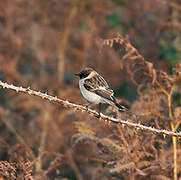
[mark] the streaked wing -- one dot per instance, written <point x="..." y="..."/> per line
<point x="100" y="81"/>
<point x="89" y="85"/>
<point x="99" y="86"/>
<point x="106" y="94"/>
<point x="96" y="82"/>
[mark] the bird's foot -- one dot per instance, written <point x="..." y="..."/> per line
<point x="87" y="106"/>
<point x="98" y="115"/>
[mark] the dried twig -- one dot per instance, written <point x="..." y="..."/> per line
<point x="67" y="104"/>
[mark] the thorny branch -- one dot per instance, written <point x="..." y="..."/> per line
<point x="67" y="104"/>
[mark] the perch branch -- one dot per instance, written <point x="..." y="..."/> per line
<point x="67" y="104"/>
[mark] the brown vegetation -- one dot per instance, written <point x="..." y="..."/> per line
<point x="43" y="43"/>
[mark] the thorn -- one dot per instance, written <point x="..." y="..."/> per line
<point x="29" y="92"/>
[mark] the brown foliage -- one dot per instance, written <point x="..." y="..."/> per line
<point x="43" y="43"/>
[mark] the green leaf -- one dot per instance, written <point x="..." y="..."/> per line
<point x="114" y="19"/>
<point x="83" y="27"/>
<point x="169" y="53"/>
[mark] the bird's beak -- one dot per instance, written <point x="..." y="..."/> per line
<point x="77" y="74"/>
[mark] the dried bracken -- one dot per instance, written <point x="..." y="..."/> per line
<point x="155" y="89"/>
<point x="7" y="170"/>
<point x="52" y="135"/>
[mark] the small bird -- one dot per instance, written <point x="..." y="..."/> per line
<point x="96" y="90"/>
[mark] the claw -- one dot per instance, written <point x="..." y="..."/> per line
<point x="98" y="116"/>
<point x="87" y="106"/>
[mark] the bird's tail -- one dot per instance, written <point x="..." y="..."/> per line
<point x="120" y="107"/>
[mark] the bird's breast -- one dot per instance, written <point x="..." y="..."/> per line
<point x="90" y="96"/>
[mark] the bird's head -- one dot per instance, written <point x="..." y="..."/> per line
<point x="85" y="73"/>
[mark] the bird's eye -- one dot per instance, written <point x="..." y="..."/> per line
<point x="83" y="75"/>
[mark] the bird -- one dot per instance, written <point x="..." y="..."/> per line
<point x="96" y="90"/>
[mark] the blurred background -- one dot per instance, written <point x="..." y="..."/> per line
<point x="42" y="44"/>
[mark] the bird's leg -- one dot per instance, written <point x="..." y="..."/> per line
<point x="99" y="111"/>
<point x="88" y="105"/>
<point x="100" y="108"/>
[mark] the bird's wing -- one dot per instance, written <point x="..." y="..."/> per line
<point x="100" y="81"/>
<point x="106" y="94"/>
<point x="89" y="85"/>
<point x="99" y="86"/>
<point x="95" y="82"/>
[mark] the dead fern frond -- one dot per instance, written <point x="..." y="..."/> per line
<point x="140" y="70"/>
<point x="7" y="170"/>
<point x="54" y="163"/>
<point x="82" y="127"/>
<point x="26" y="168"/>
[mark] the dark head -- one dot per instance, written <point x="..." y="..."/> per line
<point x="85" y="73"/>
